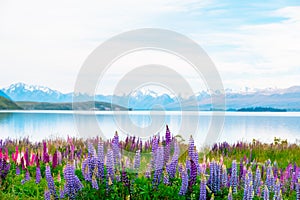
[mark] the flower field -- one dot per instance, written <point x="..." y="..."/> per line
<point x="161" y="168"/>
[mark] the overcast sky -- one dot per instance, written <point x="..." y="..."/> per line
<point x="252" y="43"/>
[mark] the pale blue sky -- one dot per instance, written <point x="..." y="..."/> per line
<point x="252" y="43"/>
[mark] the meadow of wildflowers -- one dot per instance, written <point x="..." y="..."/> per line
<point x="160" y="168"/>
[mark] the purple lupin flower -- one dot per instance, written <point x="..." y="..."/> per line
<point x="38" y="175"/>
<point x="92" y="161"/>
<point x="4" y="168"/>
<point x="26" y="178"/>
<point x="277" y="190"/>
<point x="125" y="179"/>
<point x="18" y="171"/>
<point x="167" y="145"/>
<point x="266" y="193"/>
<point x="233" y="178"/>
<point x="248" y="187"/>
<point x="270" y="182"/>
<point x="213" y="178"/>
<point x="73" y="184"/>
<point x="148" y="172"/>
<point x="203" y="188"/>
<point x="191" y="148"/>
<point x="298" y="189"/>
<point x="101" y="160"/>
<point x="257" y="180"/>
<point x="47" y="195"/>
<point x="61" y="193"/>
<point x="159" y="164"/>
<point x="171" y="167"/>
<point x="224" y="176"/>
<point x="166" y="179"/>
<point x="116" y="150"/>
<point x="85" y="170"/>
<point x="95" y="183"/>
<point x="137" y="160"/>
<point x="50" y="182"/>
<point x="110" y="164"/>
<point x="154" y="149"/>
<point x="184" y="183"/>
<point x="193" y="175"/>
<point x="168" y="135"/>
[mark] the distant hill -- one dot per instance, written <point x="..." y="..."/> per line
<point x="7" y="104"/>
<point x="90" y="105"/>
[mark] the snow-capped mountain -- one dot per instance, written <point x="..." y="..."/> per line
<point x="145" y="98"/>
<point x="2" y="94"/>
<point x="24" y="92"/>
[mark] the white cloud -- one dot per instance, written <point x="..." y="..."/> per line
<point x="254" y="51"/>
<point x="46" y="42"/>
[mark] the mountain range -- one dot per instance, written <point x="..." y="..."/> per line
<point x="146" y="99"/>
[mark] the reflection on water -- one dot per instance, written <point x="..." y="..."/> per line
<point x="237" y="126"/>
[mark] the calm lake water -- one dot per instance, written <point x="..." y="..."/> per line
<point x="38" y="125"/>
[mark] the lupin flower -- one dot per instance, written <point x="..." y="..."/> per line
<point x="110" y="164"/>
<point x="203" y="188"/>
<point x="159" y="164"/>
<point x="233" y="178"/>
<point x="38" y="175"/>
<point x="298" y="189"/>
<point x="73" y="184"/>
<point x="167" y="145"/>
<point x="54" y="160"/>
<point x="148" y="172"/>
<point x="116" y="150"/>
<point x="61" y="193"/>
<point x="193" y="174"/>
<point x="50" y="182"/>
<point x="277" y="190"/>
<point x="257" y="180"/>
<point x="266" y="193"/>
<point x="95" y="183"/>
<point x="137" y="160"/>
<point x="191" y="147"/>
<point x="4" y="168"/>
<point x="154" y="149"/>
<point x="168" y="135"/>
<point x="184" y="183"/>
<point x="18" y="171"/>
<point x="47" y="195"/>
<point x="166" y="179"/>
<point x="85" y="170"/>
<point x="125" y="179"/>
<point x="248" y="187"/>
<point x="270" y="182"/>
<point x="224" y="176"/>
<point x="46" y="157"/>
<point x="100" y="160"/>
<point x="171" y="167"/>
